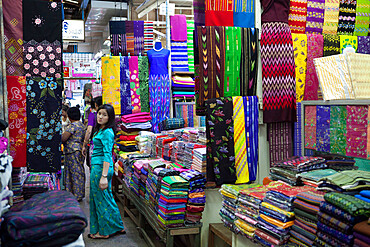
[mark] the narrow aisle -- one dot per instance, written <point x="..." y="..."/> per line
<point x="130" y="239"/>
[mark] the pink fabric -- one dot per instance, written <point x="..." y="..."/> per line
<point x="357" y="131"/>
<point x="310" y="127"/>
<point x="315" y="46"/>
<point x="138" y="120"/>
<point x="134" y="84"/>
<point x="127" y="118"/>
<point x="3" y="144"/>
<point x="178" y="28"/>
<point x="246" y="219"/>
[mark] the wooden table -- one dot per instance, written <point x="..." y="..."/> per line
<point x="219" y="230"/>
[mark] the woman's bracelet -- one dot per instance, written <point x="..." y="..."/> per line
<point x="104" y="176"/>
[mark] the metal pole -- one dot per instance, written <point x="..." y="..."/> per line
<point x="168" y="45"/>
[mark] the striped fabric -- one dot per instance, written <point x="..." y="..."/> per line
<point x="190" y="44"/>
<point x="331" y="17"/>
<point x="148" y="35"/>
<point x="297" y="151"/>
<point x="244" y="13"/>
<point x="138" y="37"/>
<point x="179" y="56"/>
<point x="297" y="16"/>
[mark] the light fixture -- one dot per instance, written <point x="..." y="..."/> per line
<point x="71" y="1"/>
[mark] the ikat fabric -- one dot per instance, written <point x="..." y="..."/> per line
<point x="111" y="82"/>
<point x="243" y="15"/>
<point x="138" y="38"/>
<point x="297" y="16"/>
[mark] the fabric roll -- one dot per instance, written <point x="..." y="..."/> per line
<point x="331" y="45"/>
<point x="357" y="131"/>
<point x="134" y="84"/>
<point x="310" y="127"/>
<point x="338" y="129"/>
<point x="297" y="16"/>
<point x="331" y="16"/>
<point x="143" y="66"/>
<point x="125" y="91"/>
<point x="280" y="141"/>
<point x="363" y="44"/>
<point x="148" y="35"/>
<point x="117" y="30"/>
<point x="297" y="146"/>
<point x="347" y="16"/>
<point x="278" y="75"/>
<point x="359" y="69"/>
<point x="138" y="38"/>
<point x="300" y="59"/>
<point x="348" y="41"/>
<point x="178" y="28"/>
<point x="111" y="82"/>
<point x="179" y="56"/>
<point x="315" y="16"/>
<point x="13" y="37"/>
<point x="244" y="13"/>
<point x="232" y="61"/>
<point x="219" y="13"/>
<point x="315" y="45"/>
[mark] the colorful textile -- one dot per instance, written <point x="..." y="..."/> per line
<point x="348" y="41"/>
<point x="300" y="59"/>
<point x="111" y="82"/>
<point x="359" y="71"/>
<point x="277" y="222"/>
<point x="363" y="44"/>
<point x="331" y="44"/>
<point x="357" y="131"/>
<point x="190" y="44"/>
<point x="178" y="28"/>
<point x="350" y="204"/>
<point x="334" y="223"/>
<point x="130" y="38"/>
<point x="280" y="141"/>
<point x="220" y="132"/>
<point x="324" y="239"/>
<point x="17" y="119"/>
<point x="42" y="59"/>
<point x="331" y="17"/>
<point x="297" y="143"/>
<point x="219" y="13"/>
<point x="251" y="122"/>
<point x="307" y="207"/>
<point x="315" y="16"/>
<point x="144" y="84"/>
<point x="323" y="128"/>
<point x="134" y="84"/>
<point x="125" y="91"/>
<point x="13" y="37"/>
<point x="297" y="16"/>
<point x="179" y="56"/>
<point x="232" y="61"/>
<point x="347" y="15"/>
<point x="315" y="44"/>
<point x="311" y="197"/>
<point x="159" y="90"/>
<point x="348" y="239"/>
<point x="148" y="35"/>
<point x="244" y="13"/>
<point x="362" y="18"/>
<point x="338" y="127"/>
<point x="117" y="30"/>
<point x="362" y="228"/>
<point x="44" y="128"/>
<point x="138" y="38"/>
<point x="278" y="75"/>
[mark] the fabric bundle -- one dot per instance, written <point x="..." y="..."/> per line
<point x="361" y="233"/>
<point x="36" y="183"/>
<point x="200" y="160"/>
<point x="312" y="178"/>
<point x="152" y="182"/>
<point x="143" y="142"/>
<point x="351" y="180"/>
<point x="182" y="86"/>
<point x="364" y="195"/>
<point x="189" y="152"/>
<point x="19" y="175"/>
<point x="137" y="185"/>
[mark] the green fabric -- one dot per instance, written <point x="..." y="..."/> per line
<point x="143" y="81"/>
<point x="232" y="61"/>
<point x="351" y="204"/>
<point x="347" y="178"/>
<point x="176" y="181"/>
<point x="362" y="18"/>
<point x="316" y="175"/>
<point x="235" y="189"/>
<point x="304" y="214"/>
<point x="338" y="129"/>
<point x="190" y="44"/>
<point x="363" y="164"/>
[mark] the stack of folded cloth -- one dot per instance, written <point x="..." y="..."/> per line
<point x="178" y="151"/>
<point x="162" y="173"/>
<point x="312" y="178"/>
<point x="138" y="185"/>
<point x="200" y="160"/>
<point x="172" y="201"/>
<point x="287" y="170"/>
<point x="161" y="142"/>
<point x="167" y="151"/>
<point x="19" y="175"/>
<point x="339" y="162"/>
<point x="126" y="142"/>
<point x="346" y="181"/>
<point x="338" y="214"/>
<point x="171" y="124"/>
<point x="364" y="195"/>
<point x="230" y="194"/>
<point x="188" y="158"/>
<point x="36" y="183"/>
<point x="193" y="135"/>
<point x="182" y="86"/>
<point x="136" y="121"/>
<point x="196" y="196"/>
<point x="276" y="214"/>
<point x="202" y="136"/>
<point x="247" y="210"/>
<point x="306" y="208"/>
<point x="143" y="141"/>
<point x="152" y="181"/>
<point x="361" y="233"/>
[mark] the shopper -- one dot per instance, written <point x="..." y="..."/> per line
<point x="88" y="143"/>
<point x="105" y="217"/>
<point x="65" y="120"/>
<point x="72" y="139"/>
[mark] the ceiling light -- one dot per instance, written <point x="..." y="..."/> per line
<point x="72" y="1"/>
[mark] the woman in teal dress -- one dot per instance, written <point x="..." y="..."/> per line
<point x="105" y="217"/>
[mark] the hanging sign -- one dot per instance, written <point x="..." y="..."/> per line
<point x="73" y="30"/>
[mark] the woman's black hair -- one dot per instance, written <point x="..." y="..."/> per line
<point x="74" y="113"/>
<point x="65" y="108"/>
<point x="111" y="119"/>
<point x="98" y="101"/>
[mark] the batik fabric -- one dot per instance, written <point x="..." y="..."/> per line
<point x="338" y="130"/>
<point x="314" y="50"/>
<point x="348" y="41"/>
<point x="357" y="131"/>
<point x="363" y="44"/>
<point x="111" y="82"/>
<point x="331" y="44"/>
<point x="125" y="89"/>
<point x="310" y="127"/>
<point x="297" y="16"/>
<point x="347" y="16"/>
<point x="300" y="59"/>
<point x="362" y="18"/>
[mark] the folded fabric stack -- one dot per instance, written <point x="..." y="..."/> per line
<point x="167" y="151"/>
<point x="193" y="135"/>
<point x="196" y="196"/>
<point x="276" y="213"/>
<point x="364" y="195"/>
<point x="346" y="181"/>
<point x="200" y="160"/>
<point x="171" y="124"/>
<point x="230" y="194"/>
<point x="361" y="233"/>
<point x="306" y="208"/>
<point x="161" y="147"/>
<point x="183" y="86"/>
<point x="36" y="183"/>
<point x="144" y="143"/>
<point x="152" y="181"/>
<point x="162" y="173"/>
<point x="287" y="170"/>
<point x="338" y="214"/>
<point x="128" y="161"/>
<point x="202" y="136"/>
<point x="172" y="201"/>
<point x="54" y="218"/>
<point x="247" y="210"/>
<point x="178" y="151"/>
<point x="138" y="185"/>
<point x="189" y="148"/>
<point x="339" y="162"/>
<point x="19" y="175"/>
<point x="312" y="178"/>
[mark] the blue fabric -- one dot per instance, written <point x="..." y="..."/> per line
<point x="242" y="19"/>
<point x="365" y="193"/>
<point x="362" y="198"/>
<point x="125" y="86"/>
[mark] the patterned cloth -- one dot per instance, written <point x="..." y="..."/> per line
<point x="138" y="37"/>
<point x="232" y="61"/>
<point x="125" y="89"/>
<point x="280" y="141"/>
<point x="117" y="30"/>
<point x="363" y="45"/>
<point x="338" y="127"/>
<point x="334" y="223"/>
<point x="249" y="61"/>
<point x="111" y="82"/>
<point x="310" y="127"/>
<point x="347" y="15"/>
<point x="278" y="75"/>
<point x="337" y="212"/>
<point x="190" y="44"/>
<point x="357" y="131"/>
<point x="297" y="143"/>
<point x="331" y="17"/>
<point x="359" y="68"/>
<point x="134" y="84"/>
<point x="300" y="59"/>
<point x="362" y="18"/>
<point x="17" y="119"/>
<point x="148" y="35"/>
<point x="350" y="204"/>
<point x="159" y="90"/>
<point x="244" y="13"/>
<point x="179" y="56"/>
<point x="297" y="16"/>
<point x="130" y="38"/>
<point x="44" y="126"/>
<point x="348" y="41"/>
<point x="219" y="13"/>
<point x="315" y="16"/>
<point x="348" y="239"/>
<point x="331" y="44"/>
<point x="143" y="80"/>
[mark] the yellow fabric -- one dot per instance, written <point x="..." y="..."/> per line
<point x="245" y="228"/>
<point x="346" y="40"/>
<point x="127" y="143"/>
<point x="135" y="133"/>
<point x="359" y="70"/>
<point x="331" y="17"/>
<point x="277" y="222"/>
<point x="300" y="59"/>
<point x="227" y="194"/>
<point x="125" y="155"/>
<point x="272" y="207"/>
<point x="110" y="78"/>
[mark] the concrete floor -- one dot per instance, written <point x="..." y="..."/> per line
<point x="130" y="239"/>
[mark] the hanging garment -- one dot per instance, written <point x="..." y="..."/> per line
<point x="310" y="127"/>
<point x="125" y="88"/>
<point x="199" y="20"/>
<point x="190" y="44"/>
<point x="338" y="129"/>
<point x="300" y="59"/>
<point x="44" y="128"/>
<point x="297" y="16"/>
<point x="347" y="16"/>
<point x="315" y="45"/>
<point x="42" y="20"/>
<point x="357" y="131"/>
<point x="331" y="17"/>
<point x="130" y="38"/>
<point x="315" y="16"/>
<point x="280" y="141"/>
<point x="220" y="145"/>
<point x="148" y="35"/>
<point x="143" y="81"/>
<point x="249" y="61"/>
<point x="43" y="59"/>
<point x="297" y="142"/>
<point x="117" y="30"/>
<point x="13" y="37"/>
<point x="244" y="13"/>
<point x="212" y="63"/>
<point x="232" y="61"/>
<point x="363" y="44"/>
<point x="278" y="75"/>
<point x="219" y="13"/>
<point x="17" y="119"/>
<point x="97" y="89"/>
<point x="362" y="18"/>
<point x="179" y="56"/>
<point x="359" y="70"/>
<point x="134" y="84"/>
<point x="323" y="128"/>
<point x="348" y="41"/>
<point x="178" y="28"/>
<point x="331" y="45"/>
<point x="138" y="38"/>
<point x="111" y="82"/>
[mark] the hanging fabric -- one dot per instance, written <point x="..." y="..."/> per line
<point x="232" y="61"/>
<point x="13" y="37"/>
<point x="357" y="131"/>
<point x="331" y="45"/>
<point x="117" y="30"/>
<point x="178" y="28"/>
<point x="179" y="56"/>
<point x="315" y="16"/>
<point x="348" y="41"/>
<point x="297" y="143"/>
<point x="17" y="119"/>
<point x="359" y="71"/>
<point x="300" y="59"/>
<point x="110" y="78"/>
<point x="134" y="84"/>
<point x="347" y="16"/>
<point x="219" y="13"/>
<point x="251" y="122"/>
<point x="249" y="61"/>
<point x="138" y="37"/>
<point x="244" y="13"/>
<point x="148" y="35"/>
<point x="97" y="89"/>
<point x="130" y="38"/>
<point x="338" y="129"/>
<point x="310" y="127"/>
<point x="125" y="88"/>
<point x="190" y="44"/>
<point x="297" y="16"/>
<point x="331" y="17"/>
<point x="280" y="141"/>
<point x="144" y="86"/>
<point x="363" y="44"/>
<point x="323" y="128"/>
<point x="44" y="128"/>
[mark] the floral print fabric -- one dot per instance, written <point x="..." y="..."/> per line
<point x="310" y="127"/>
<point x="323" y="128"/>
<point x="44" y="126"/>
<point x="42" y="59"/>
<point x="338" y="129"/>
<point x="357" y="131"/>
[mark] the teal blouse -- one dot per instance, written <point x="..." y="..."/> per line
<point x="103" y="146"/>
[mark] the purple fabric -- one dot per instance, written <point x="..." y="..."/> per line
<point x="315" y="16"/>
<point x="91" y="122"/>
<point x="178" y="28"/>
<point x="125" y="86"/>
<point x="323" y="129"/>
<point x="363" y="44"/>
<point x="362" y="237"/>
<point x="139" y="37"/>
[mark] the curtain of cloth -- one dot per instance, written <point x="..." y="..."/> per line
<point x="249" y="61"/>
<point x="331" y="17"/>
<point x="117" y="30"/>
<point x="138" y="37"/>
<point x="44" y="127"/>
<point x="280" y="141"/>
<point x="251" y="131"/>
<point x="144" y="86"/>
<point x="347" y="16"/>
<point x="232" y="61"/>
<point x="111" y="82"/>
<point x="297" y="16"/>
<point x="125" y="89"/>
<point x="338" y="129"/>
<point x="300" y="59"/>
<point x="315" y="16"/>
<point x="331" y="45"/>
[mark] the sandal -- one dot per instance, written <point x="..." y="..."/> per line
<point x="94" y="236"/>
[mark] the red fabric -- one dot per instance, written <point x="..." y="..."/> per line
<point x="219" y="18"/>
<point x="127" y="138"/>
<point x="17" y="119"/>
<point x="173" y="200"/>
